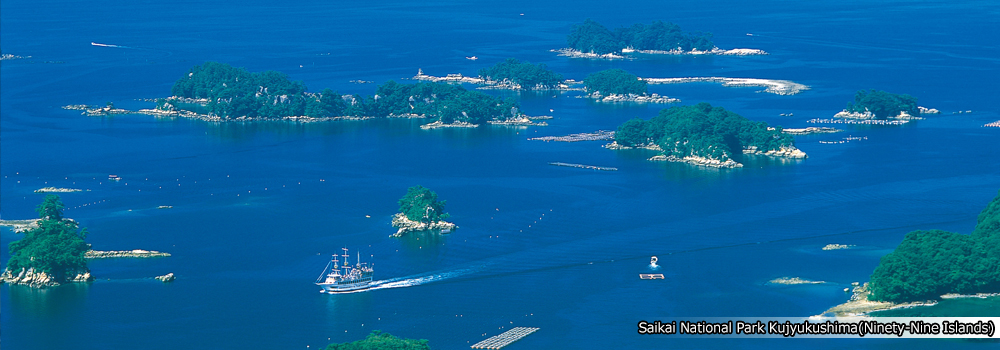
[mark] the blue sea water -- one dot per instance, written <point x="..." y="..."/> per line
<point x="258" y="208"/>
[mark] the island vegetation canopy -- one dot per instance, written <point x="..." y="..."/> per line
<point x="377" y="340"/>
<point x="591" y="36"/>
<point x="234" y="92"/>
<point x="55" y="247"/>
<point x="422" y="205"/>
<point x="883" y="104"/>
<point x="928" y="264"/>
<point x="614" y="82"/>
<point x="527" y="75"/>
<point x="702" y="131"/>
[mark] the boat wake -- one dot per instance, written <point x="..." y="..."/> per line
<point x="416" y="280"/>
<point x="109" y="45"/>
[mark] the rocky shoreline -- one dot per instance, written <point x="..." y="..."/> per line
<point x="135" y="253"/>
<point x="488" y="84"/>
<point x="616" y="98"/>
<point x="20" y="225"/>
<point x="713" y="51"/>
<point x="812" y="130"/>
<point x="859" y="305"/>
<point x="785" y="152"/>
<point x="697" y="160"/>
<point x="624" y="53"/>
<point x="166" y="278"/>
<point x="866" y="115"/>
<point x="40" y="279"/>
<point x="405" y="225"/>
<point x="793" y="281"/>
<point x="777" y="87"/>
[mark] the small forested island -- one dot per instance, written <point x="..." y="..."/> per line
<point x="593" y="40"/>
<point x="618" y="85"/>
<point x="876" y="104"/>
<point x="591" y="36"/>
<point x="51" y="253"/>
<point x="932" y="265"/>
<point x="420" y="210"/>
<point x="219" y="92"/>
<point x="517" y="75"/>
<point x="704" y="135"/>
<point x="379" y="340"/>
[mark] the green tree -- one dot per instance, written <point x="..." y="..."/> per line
<point x="422" y="205"/>
<point x="55" y="247"/>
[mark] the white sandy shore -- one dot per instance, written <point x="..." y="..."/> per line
<point x="778" y="87"/>
<point x="837" y="246"/>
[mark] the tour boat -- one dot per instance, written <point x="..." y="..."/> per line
<point x="337" y="278"/>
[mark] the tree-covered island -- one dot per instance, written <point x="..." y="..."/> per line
<point x="420" y="210"/>
<point x="220" y="92"/>
<point x="519" y="75"/>
<point x="51" y="253"/>
<point x="704" y="135"/>
<point x="932" y="265"/>
<point x="377" y="340"/>
<point x="877" y="104"/>
<point x="928" y="264"/>
<point x="592" y="37"/>
<point x="618" y="85"/>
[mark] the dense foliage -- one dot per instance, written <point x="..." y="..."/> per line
<point x="614" y="81"/>
<point x="928" y="264"/>
<point x="701" y="130"/>
<point x="883" y="104"/>
<point x="234" y="92"/>
<point x="527" y="75"/>
<point x="422" y="205"/>
<point x="594" y="37"/>
<point x="55" y="247"/>
<point x="382" y="341"/>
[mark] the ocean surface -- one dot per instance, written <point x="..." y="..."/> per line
<point x="259" y="208"/>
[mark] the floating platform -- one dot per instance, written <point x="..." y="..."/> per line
<point x="505" y="338"/>
<point x="651" y="276"/>
<point x="583" y="166"/>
